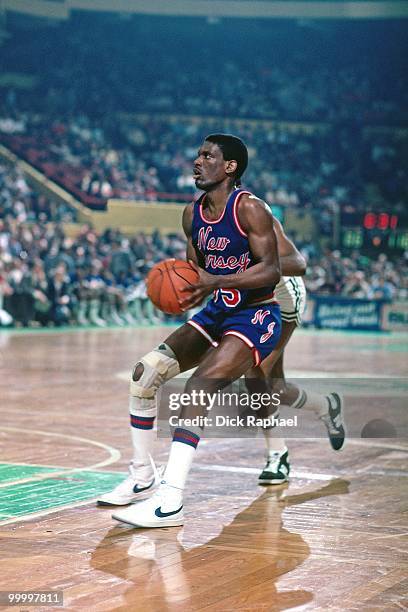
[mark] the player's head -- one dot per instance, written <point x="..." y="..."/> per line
<point x="221" y="156"/>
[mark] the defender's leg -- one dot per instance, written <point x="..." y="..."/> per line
<point x="277" y="467"/>
<point x="328" y="408"/>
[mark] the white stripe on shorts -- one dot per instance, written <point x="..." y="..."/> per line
<point x="290" y="292"/>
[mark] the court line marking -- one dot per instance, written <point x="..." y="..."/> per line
<point x="114" y="455"/>
<point x="368" y="443"/>
<point x="307" y="475"/>
<point x="336" y="333"/>
<point x="247" y="470"/>
<point x="390" y="535"/>
<point x="214" y="468"/>
<point x="25" y="464"/>
<point x="357" y="442"/>
<point x="54" y="467"/>
<point x="41" y="513"/>
<point x="124" y="375"/>
<point x="211" y="468"/>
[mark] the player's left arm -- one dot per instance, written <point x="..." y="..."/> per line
<point x="292" y="261"/>
<point x="256" y="220"/>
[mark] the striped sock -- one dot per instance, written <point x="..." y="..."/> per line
<point x="312" y="401"/>
<point x="142" y="422"/>
<point x="143" y="435"/>
<point x="181" y="456"/>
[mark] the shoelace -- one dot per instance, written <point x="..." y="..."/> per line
<point x="162" y="493"/>
<point x="330" y="424"/>
<point x="132" y="477"/>
<point x="125" y="485"/>
<point x="272" y="463"/>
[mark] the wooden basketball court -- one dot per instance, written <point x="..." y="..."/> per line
<point x="334" y="538"/>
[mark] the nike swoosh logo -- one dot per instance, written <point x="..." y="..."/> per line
<point x="137" y="490"/>
<point x="161" y="514"/>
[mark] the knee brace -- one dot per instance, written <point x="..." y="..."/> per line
<point x="152" y="371"/>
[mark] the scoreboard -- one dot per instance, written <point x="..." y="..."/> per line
<point x="372" y="231"/>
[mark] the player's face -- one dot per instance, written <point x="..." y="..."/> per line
<point x="209" y="166"/>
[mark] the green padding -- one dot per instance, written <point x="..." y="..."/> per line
<point x="30" y="497"/>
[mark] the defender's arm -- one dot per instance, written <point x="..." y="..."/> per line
<point x="292" y="261"/>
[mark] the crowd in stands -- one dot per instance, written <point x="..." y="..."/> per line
<point x="49" y="278"/>
<point x="266" y="69"/>
<point x="358" y="276"/>
<point x="151" y="159"/>
<point x="18" y="200"/>
<point x="78" y="154"/>
<point x="98" y="119"/>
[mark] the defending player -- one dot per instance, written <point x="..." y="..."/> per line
<point x="230" y="234"/>
<point x="290" y="292"/>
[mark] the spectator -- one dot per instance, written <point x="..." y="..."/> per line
<point x="383" y="290"/>
<point x="42" y="303"/>
<point x="21" y="298"/>
<point x="5" y="291"/>
<point x="356" y="286"/>
<point x="60" y="297"/>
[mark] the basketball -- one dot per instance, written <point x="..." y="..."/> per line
<point x="165" y="282"/>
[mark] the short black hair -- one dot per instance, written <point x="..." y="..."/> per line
<point x="232" y="147"/>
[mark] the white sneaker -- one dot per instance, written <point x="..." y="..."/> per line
<point x="140" y="484"/>
<point x="334" y="421"/>
<point x="163" y="509"/>
<point x="276" y="470"/>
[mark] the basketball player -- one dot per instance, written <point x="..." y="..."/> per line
<point x="290" y="292"/>
<point x="230" y="235"/>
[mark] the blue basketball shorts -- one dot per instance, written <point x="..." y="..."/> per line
<point x="258" y="326"/>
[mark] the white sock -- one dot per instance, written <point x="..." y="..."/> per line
<point x="181" y="457"/>
<point x="143" y="412"/>
<point x="273" y="444"/>
<point x="312" y="401"/>
<point x="143" y="437"/>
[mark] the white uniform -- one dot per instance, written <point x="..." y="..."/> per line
<point x="290" y="292"/>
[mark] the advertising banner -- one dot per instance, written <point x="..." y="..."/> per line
<point x="346" y="313"/>
<point x="395" y="316"/>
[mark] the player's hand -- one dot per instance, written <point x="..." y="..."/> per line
<point x="205" y="285"/>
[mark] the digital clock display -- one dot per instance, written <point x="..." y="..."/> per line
<point x="374" y="230"/>
<point x="358" y="239"/>
<point x="381" y="221"/>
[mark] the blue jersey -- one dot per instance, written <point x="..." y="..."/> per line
<point x="225" y="248"/>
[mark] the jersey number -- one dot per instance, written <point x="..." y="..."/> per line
<point x="230" y="297"/>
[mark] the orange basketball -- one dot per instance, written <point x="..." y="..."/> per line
<point x="165" y="281"/>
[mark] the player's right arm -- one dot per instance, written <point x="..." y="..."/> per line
<point x="292" y="261"/>
<point x="191" y="253"/>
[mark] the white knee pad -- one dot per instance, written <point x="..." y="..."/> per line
<point x="159" y="366"/>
